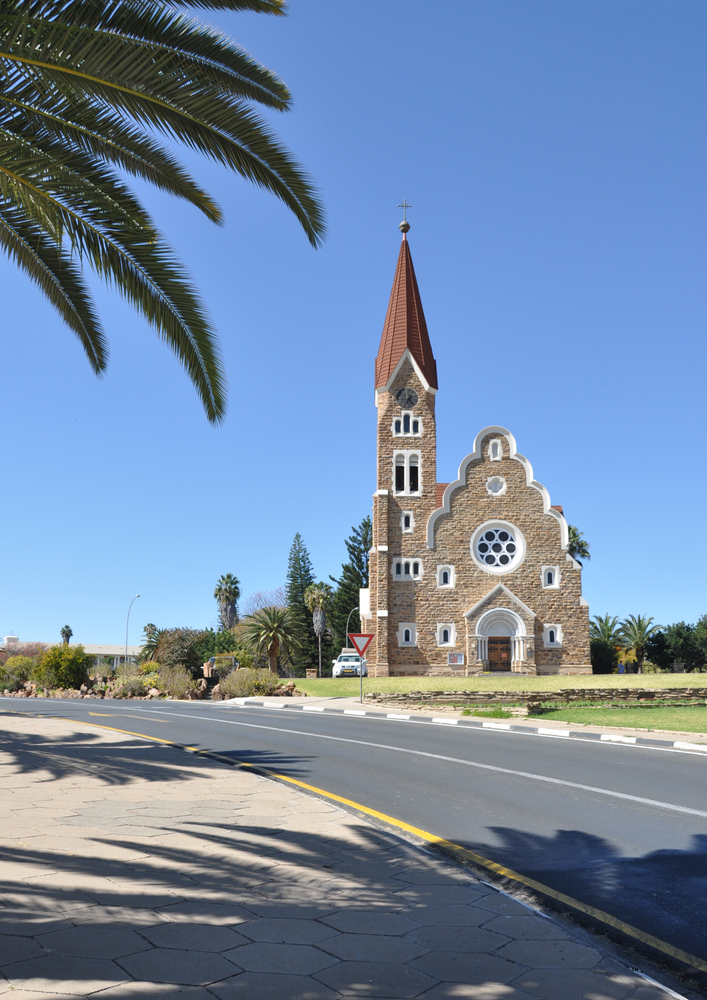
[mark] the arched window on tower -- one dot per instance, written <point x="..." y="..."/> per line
<point x="400" y="474"/>
<point x="549" y="578"/>
<point x="406" y="635"/>
<point x="551" y="635"/>
<point x="414" y="474"/>
<point x="444" y="582"/>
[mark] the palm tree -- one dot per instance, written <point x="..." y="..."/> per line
<point x="272" y="631"/>
<point x="318" y="597"/>
<point x="578" y="546"/>
<point x="607" y="629"/>
<point x="636" y="630"/>
<point x="227" y="593"/>
<point x="90" y="89"/>
<point x="153" y="636"/>
<point x="66" y="634"/>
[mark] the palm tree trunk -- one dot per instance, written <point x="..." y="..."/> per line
<point x="273" y="650"/>
<point x="319" y="674"/>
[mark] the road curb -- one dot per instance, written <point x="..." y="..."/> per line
<point x="478" y="724"/>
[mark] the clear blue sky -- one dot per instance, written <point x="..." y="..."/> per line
<point x="555" y="155"/>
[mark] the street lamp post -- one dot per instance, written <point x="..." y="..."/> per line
<point x="127" y="622"/>
<point x="347" y="625"/>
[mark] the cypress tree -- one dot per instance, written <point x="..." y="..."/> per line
<point x="353" y="577"/>
<point x="300" y="575"/>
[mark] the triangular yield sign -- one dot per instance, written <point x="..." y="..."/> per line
<point x="361" y="640"/>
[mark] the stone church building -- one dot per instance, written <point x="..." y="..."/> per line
<point x="467" y="576"/>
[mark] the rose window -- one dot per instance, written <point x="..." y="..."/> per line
<point x="496" y="547"/>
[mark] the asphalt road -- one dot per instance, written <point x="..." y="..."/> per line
<point x="621" y="828"/>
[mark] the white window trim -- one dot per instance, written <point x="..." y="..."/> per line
<point x="452" y="577"/>
<point x="404" y="514"/>
<point x="401" y="433"/>
<point x="557" y="644"/>
<point x="520" y="547"/>
<point x="492" y="479"/>
<point x="413" y="634"/>
<point x="555" y="570"/>
<point x="407" y="456"/>
<point x="452" y="634"/>
<point x="402" y="575"/>
<point x="492" y="442"/>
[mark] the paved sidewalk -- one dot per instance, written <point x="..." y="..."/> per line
<point x="137" y="871"/>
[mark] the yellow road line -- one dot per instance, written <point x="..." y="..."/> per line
<point x="462" y="854"/>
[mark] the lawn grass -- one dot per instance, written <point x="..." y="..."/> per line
<point x="691" y="719"/>
<point x="348" y="687"/>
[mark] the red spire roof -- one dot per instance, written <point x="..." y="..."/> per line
<point x="405" y="327"/>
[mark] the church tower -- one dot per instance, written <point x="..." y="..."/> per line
<point x="406" y="493"/>
<point x="470" y="576"/>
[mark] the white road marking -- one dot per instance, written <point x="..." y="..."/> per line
<point x="452" y="760"/>
<point x="613" y="738"/>
<point x="446" y="722"/>
<point x="393" y="715"/>
<point x="353" y="711"/>
<point x="495" y="725"/>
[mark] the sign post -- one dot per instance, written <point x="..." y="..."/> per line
<point x="361" y="642"/>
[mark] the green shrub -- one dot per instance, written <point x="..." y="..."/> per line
<point x="130" y="686"/>
<point x="16" y="671"/>
<point x="249" y="681"/>
<point x="175" y="680"/>
<point x="62" y="666"/>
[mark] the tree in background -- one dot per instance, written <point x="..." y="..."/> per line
<point x="91" y="90"/>
<point x="679" y="643"/>
<point x="66" y="634"/>
<point x="300" y="575"/>
<point x="578" y="546"/>
<point x="605" y="643"/>
<point x="273" y="631"/>
<point x="317" y="598"/>
<point x="181" y="645"/>
<point x="265" y="599"/>
<point x="227" y="593"/>
<point x="353" y="577"/>
<point x="153" y="637"/>
<point x="636" y="630"/>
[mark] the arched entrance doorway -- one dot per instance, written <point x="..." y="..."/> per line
<point x="500" y="637"/>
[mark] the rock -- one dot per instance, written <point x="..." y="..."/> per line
<point x="216" y="694"/>
<point x="153" y="693"/>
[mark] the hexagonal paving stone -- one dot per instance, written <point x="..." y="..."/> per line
<point x="499" y="903"/>
<point x="188" y="968"/>
<point x="281" y="930"/>
<point x="194" y="937"/>
<point x="480" y="991"/>
<point x="455" y="967"/>
<point x="433" y="876"/>
<point x="29" y="923"/>
<point x="439" y="894"/>
<point x="260" y="986"/>
<point x="298" y="959"/>
<point x="376" y="979"/>
<point x="206" y="912"/>
<point x="466" y="939"/>
<point x="370" y="922"/>
<point x="93" y="942"/>
<point x="372" y="948"/>
<point x="446" y="915"/>
<point x="550" y="954"/>
<point x="561" y="984"/>
<point x="14" y="948"/>
<point x="60" y="974"/>
<point x="528" y="928"/>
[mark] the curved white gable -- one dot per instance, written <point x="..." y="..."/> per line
<point x="461" y="480"/>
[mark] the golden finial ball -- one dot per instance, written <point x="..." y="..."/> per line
<point x="404" y="226"/>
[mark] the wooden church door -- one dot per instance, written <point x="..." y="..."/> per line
<point x="499" y="652"/>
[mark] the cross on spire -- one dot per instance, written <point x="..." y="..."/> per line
<point x="404" y="205"/>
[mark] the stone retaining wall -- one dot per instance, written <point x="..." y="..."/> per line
<point x="564" y="696"/>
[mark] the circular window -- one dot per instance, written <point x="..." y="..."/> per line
<point x="496" y="486"/>
<point x="498" y="547"/>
